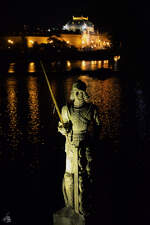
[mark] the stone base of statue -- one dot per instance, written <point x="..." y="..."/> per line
<point x="67" y="216"/>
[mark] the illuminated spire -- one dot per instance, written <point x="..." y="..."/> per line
<point x="80" y="18"/>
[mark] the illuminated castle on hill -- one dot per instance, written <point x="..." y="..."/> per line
<point x="81" y="24"/>
<point x="78" y="32"/>
<point x="83" y="35"/>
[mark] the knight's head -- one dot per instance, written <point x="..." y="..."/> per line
<point x="78" y="92"/>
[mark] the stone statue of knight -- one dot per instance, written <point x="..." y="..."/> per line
<point x="80" y="118"/>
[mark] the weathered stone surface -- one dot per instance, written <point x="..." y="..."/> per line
<point x="67" y="216"/>
<point x="80" y="118"/>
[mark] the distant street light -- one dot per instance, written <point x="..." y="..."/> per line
<point x="10" y="41"/>
<point x="31" y="41"/>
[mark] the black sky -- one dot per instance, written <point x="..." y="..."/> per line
<point x="111" y="13"/>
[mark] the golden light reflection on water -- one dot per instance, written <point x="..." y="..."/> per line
<point x="88" y="65"/>
<point x="106" y="64"/>
<point x="31" y="67"/>
<point x="33" y="102"/>
<point x="68" y="64"/>
<point x="73" y="64"/>
<point x="83" y="65"/>
<point x="11" y="68"/>
<point x="105" y="94"/>
<point x="99" y="64"/>
<point x="13" y="131"/>
<point x="93" y="65"/>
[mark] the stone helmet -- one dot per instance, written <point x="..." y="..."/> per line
<point x="79" y="86"/>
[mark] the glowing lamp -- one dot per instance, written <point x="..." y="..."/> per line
<point x="10" y="41"/>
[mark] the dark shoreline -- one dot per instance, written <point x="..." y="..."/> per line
<point x="33" y="54"/>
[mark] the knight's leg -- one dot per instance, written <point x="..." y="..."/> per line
<point x="68" y="189"/>
<point x="89" y="166"/>
<point x="83" y="188"/>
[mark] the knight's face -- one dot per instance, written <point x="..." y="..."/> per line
<point x="78" y="94"/>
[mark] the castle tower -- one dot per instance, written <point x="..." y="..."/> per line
<point x="80" y="24"/>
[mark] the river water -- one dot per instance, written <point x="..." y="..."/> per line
<point x="32" y="157"/>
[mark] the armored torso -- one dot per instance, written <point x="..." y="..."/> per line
<point x="80" y="118"/>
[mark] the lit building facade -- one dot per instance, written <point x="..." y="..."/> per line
<point x="81" y="24"/>
<point x="85" y="36"/>
<point x="80" y="34"/>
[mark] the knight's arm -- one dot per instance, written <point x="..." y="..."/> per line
<point x="65" y="127"/>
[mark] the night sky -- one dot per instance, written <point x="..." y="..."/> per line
<point x="109" y="13"/>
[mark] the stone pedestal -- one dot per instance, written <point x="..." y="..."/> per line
<point x="67" y="216"/>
